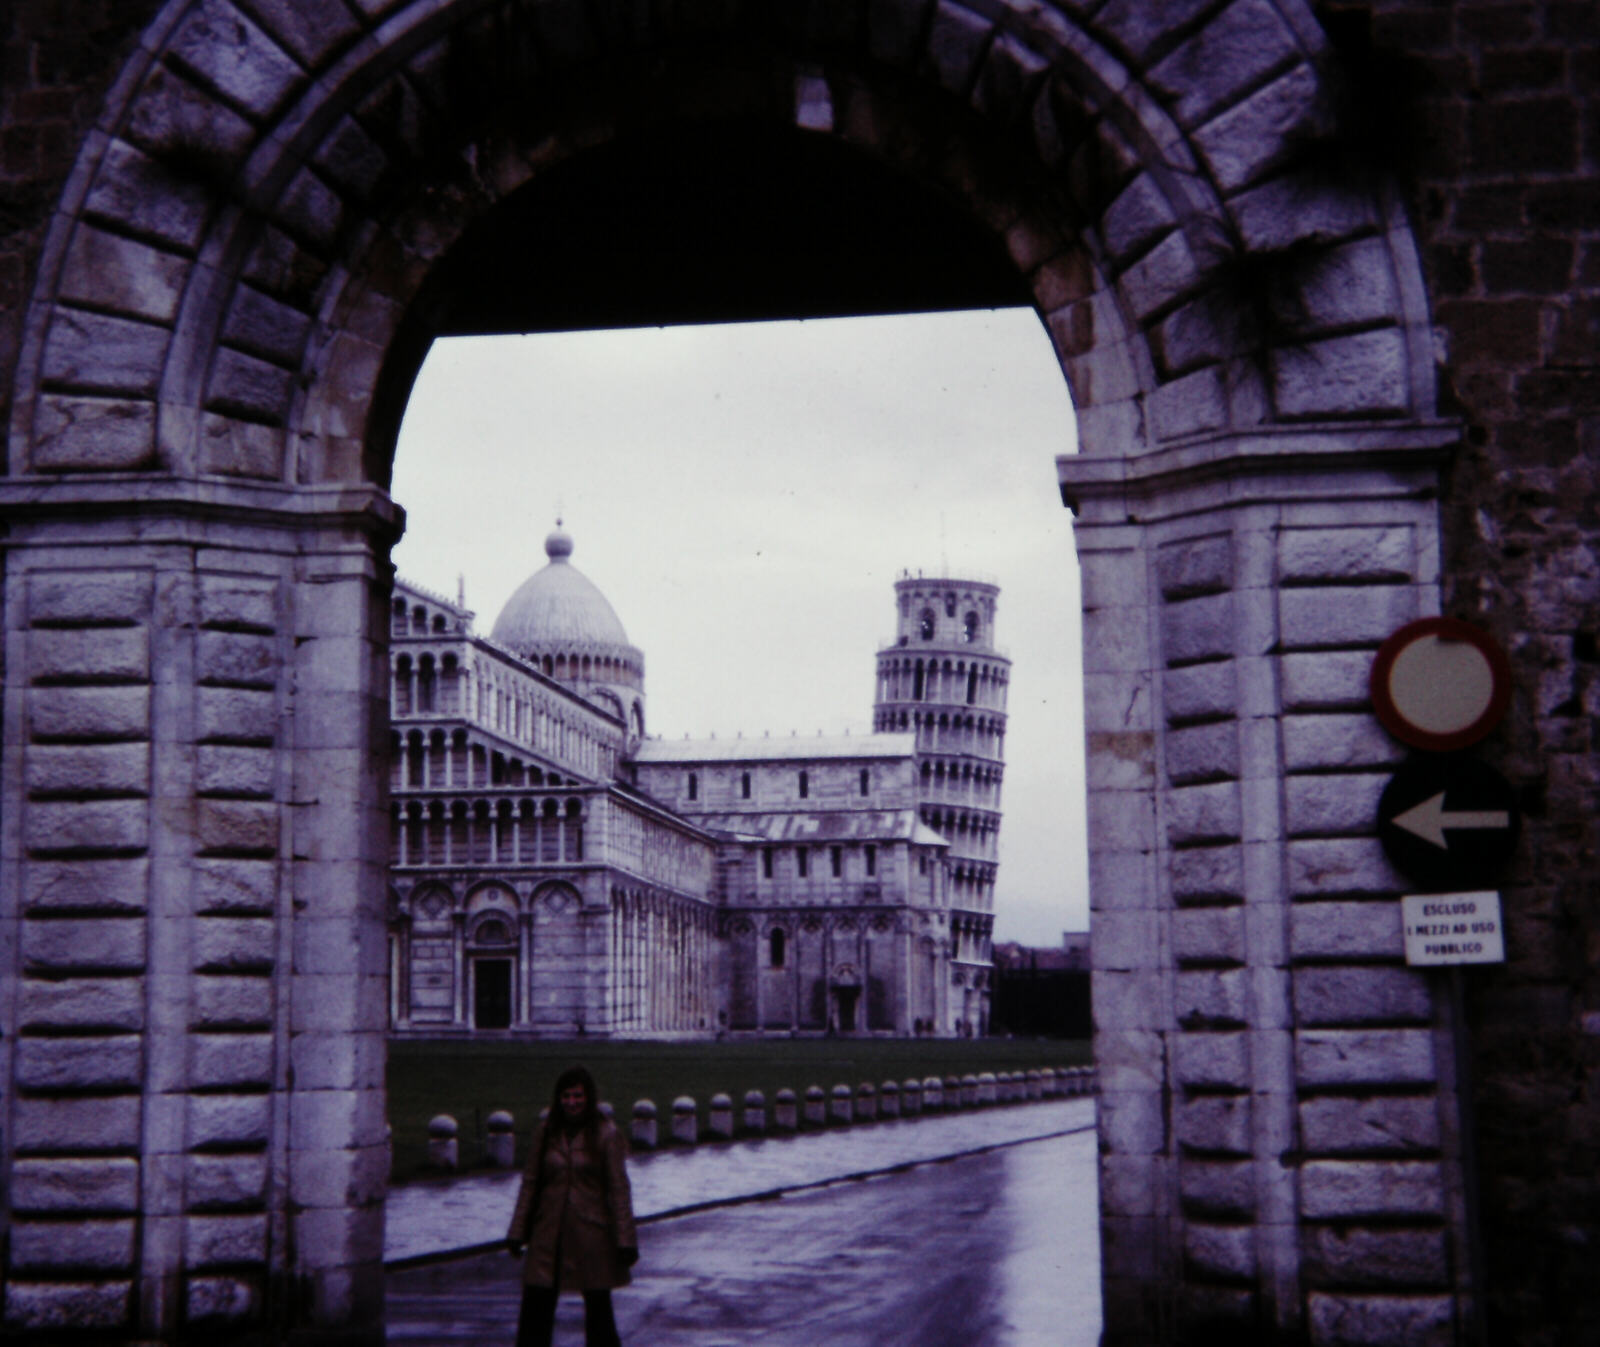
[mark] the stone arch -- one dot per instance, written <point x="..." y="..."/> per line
<point x="260" y="238"/>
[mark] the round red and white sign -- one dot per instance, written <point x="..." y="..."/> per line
<point x="1440" y="684"/>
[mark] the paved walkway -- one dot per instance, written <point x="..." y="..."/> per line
<point x="997" y="1249"/>
<point x="434" y="1218"/>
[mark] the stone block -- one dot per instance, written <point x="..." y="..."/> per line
<point x="1198" y="629"/>
<point x="55" y="827"/>
<point x="236" y="716"/>
<point x="1201" y="1060"/>
<point x="238" y="603"/>
<point x="1211" y="998"/>
<point x="84" y="944"/>
<point x="1332" y="1057"/>
<point x="1353" y="1257"/>
<point x="1114" y="641"/>
<point x="1120" y="760"/>
<point x="1127" y="940"/>
<point x="234" y="944"/>
<point x="335" y="1177"/>
<point x="218" y="1300"/>
<point x="89" y="597"/>
<point x="109" y="271"/>
<point x="1189" y="404"/>
<point x="1208" y="934"/>
<point x="176" y="120"/>
<point x="77" y="1305"/>
<point x="1321" y="806"/>
<point x="236" y="659"/>
<point x="337" y="1061"/>
<point x="95" y="352"/>
<point x="956" y="40"/>
<point x="1331" y="741"/>
<point x="1370" y="554"/>
<point x="1346" y="1124"/>
<point x="81" y="1245"/>
<point x="1137" y="218"/>
<point x="67" y="769"/>
<point x="234" y="56"/>
<point x="1245" y="142"/>
<point x="341" y="1236"/>
<point x="58" y="1185"/>
<point x="137" y="192"/>
<point x="1130" y="1059"/>
<point x="219" y="1182"/>
<point x="236" y="828"/>
<point x="242" y="384"/>
<point x="89" y="1125"/>
<point x="227" y="769"/>
<point x="1162" y="277"/>
<point x="1203" y="814"/>
<point x="1128" y="1247"/>
<point x="79" y="1063"/>
<point x="1294" y="207"/>
<point x="1323" y="616"/>
<point x="230" y="1059"/>
<point x="229" y="1120"/>
<point x="1366" y="374"/>
<point x="240" y="886"/>
<point x="1127" y="1000"/>
<point x="1330" y="866"/>
<point x="1195" y="567"/>
<point x="1202" y="753"/>
<point x="1380" y="1320"/>
<point x="1131" y="1122"/>
<point x="106" y="1004"/>
<point x="1343" y="1190"/>
<point x="1128" y="1184"/>
<point x="1326" y="680"/>
<point x="1209" y="1187"/>
<point x="1207" y="873"/>
<point x="1336" y="930"/>
<point x="1214" y="1124"/>
<point x="213" y="1241"/>
<point x="231" y="1003"/>
<point x="1361" y="996"/>
<point x="1122" y="820"/>
<point x="62" y="714"/>
<point x="1241" y="45"/>
<point x="1220" y="1250"/>
<point x="89" y="434"/>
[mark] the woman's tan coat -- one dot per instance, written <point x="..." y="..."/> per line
<point x="579" y="1203"/>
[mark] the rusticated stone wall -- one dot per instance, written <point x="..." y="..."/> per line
<point x="216" y="215"/>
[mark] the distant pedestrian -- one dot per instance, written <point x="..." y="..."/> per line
<point x="574" y="1216"/>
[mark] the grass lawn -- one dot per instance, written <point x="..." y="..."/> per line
<point x="469" y="1080"/>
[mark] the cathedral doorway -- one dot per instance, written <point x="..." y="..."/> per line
<point x="844" y="1004"/>
<point x="491" y="993"/>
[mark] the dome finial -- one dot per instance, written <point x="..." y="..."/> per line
<point x="558" y="543"/>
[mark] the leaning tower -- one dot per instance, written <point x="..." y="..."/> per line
<point x="943" y="678"/>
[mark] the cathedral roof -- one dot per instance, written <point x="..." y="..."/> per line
<point x="558" y="608"/>
<point x="794" y="748"/>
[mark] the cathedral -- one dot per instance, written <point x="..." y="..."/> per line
<point x="558" y="872"/>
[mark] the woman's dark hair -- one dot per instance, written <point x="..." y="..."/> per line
<point x="589" y="1122"/>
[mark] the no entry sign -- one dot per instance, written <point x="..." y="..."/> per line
<point x="1447" y="822"/>
<point x="1440" y="684"/>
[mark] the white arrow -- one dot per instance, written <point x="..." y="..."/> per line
<point x="1428" y="820"/>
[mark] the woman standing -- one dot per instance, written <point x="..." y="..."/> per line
<point x="574" y="1216"/>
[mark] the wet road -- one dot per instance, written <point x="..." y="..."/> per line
<point x="999" y="1248"/>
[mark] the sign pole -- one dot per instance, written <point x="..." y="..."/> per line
<point x="1477" y="1325"/>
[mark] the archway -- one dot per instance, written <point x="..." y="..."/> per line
<point x="244" y="269"/>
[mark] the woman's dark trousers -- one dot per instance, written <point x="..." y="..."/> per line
<point x="538" y="1320"/>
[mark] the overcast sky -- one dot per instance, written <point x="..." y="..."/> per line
<point x="745" y="497"/>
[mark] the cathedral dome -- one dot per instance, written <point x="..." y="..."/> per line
<point x="558" y="608"/>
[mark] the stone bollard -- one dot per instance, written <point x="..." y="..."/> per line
<point x="1047" y="1082"/>
<point x="866" y="1102"/>
<point x="969" y="1090"/>
<point x="888" y="1100"/>
<point x="755" y="1112"/>
<point x="785" y="1111"/>
<point x="1033" y="1085"/>
<point x="911" y="1098"/>
<point x="646" y="1135"/>
<point x="952" y="1092"/>
<point x="685" y="1126"/>
<point x="721" y="1124"/>
<point x="840" y="1108"/>
<point x="816" y="1105"/>
<point x="987" y="1088"/>
<point x="500" y="1145"/>
<point x="444" y="1149"/>
<point x="933" y="1094"/>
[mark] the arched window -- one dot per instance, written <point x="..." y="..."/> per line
<point x="805" y="785"/>
<point x="802" y="862"/>
<point x="766" y="863"/>
<point x="775" y="950"/>
<point x="969" y="628"/>
<point x="694" y="786"/>
<point x="949" y="605"/>
<point x="925" y="625"/>
<point x="866" y="780"/>
<point x="972" y="685"/>
<point x="917" y="684"/>
<point x="744" y="786"/>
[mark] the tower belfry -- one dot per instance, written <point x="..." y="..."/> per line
<point x="944" y="679"/>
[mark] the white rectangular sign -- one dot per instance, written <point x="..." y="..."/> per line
<point x="1447" y="928"/>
